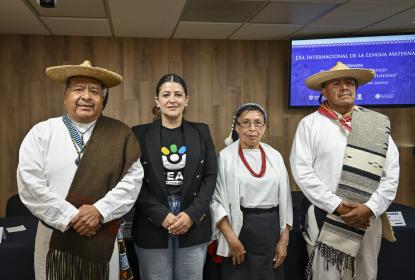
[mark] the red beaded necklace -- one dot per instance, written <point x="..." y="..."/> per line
<point x="263" y="163"/>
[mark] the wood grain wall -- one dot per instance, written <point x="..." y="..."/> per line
<point x="220" y="74"/>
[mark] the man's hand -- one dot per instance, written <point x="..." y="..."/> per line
<point x="358" y="217"/>
<point x="237" y="251"/>
<point x="88" y="221"/>
<point x="182" y="225"/>
<point x="281" y="249"/>
<point x="168" y="221"/>
<point x="344" y="208"/>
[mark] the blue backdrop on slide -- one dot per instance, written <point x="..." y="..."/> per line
<point x="392" y="58"/>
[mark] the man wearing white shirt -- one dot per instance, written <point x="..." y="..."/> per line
<point x="347" y="165"/>
<point x="79" y="174"/>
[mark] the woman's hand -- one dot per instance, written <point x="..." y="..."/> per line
<point x="168" y="221"/>
<point x="236" y="248"/>
<point x="237" y="251"/>
<point x="281" y="249"/>
<point x="182" y="224"/>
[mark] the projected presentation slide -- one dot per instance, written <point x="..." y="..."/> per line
<point x="392" y="57"/>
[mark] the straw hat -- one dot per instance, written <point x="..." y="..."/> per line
<point x="339" y="70"/>
<point x="63" y="72"/>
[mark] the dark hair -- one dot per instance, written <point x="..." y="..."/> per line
<point x="165" y="79"/>
<point x="250" y="107"/>
<point x="171" y="78"/>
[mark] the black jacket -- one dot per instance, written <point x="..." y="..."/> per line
<point x="199" y="184"/>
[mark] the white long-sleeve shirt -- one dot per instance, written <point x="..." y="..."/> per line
<point x="258" y="192"/>
<point x="317" y="159"/>
<point x="46" y="170"/>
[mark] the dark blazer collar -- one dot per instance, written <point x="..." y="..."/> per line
<point x="191" y="140"/>
<point x="153" y="143"/>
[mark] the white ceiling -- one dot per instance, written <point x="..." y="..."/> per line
<point x="208" y="19"/>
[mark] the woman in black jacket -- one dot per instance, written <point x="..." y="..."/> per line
<point x="172" y="224"/>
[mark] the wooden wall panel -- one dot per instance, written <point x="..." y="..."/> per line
<point x="221" y="74"/>
<point x="406" y="190"/>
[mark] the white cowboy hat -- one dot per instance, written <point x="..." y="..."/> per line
<point x="339" y="70"/>
<point x="63" y="72"/>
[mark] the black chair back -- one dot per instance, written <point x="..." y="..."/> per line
<point x="15" y="207"/>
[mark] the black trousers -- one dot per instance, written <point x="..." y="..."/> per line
<point x="259" y="236"/>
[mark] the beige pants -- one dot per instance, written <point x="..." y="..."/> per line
<point x="366" y="265"/>
<point x="41" y="250"/>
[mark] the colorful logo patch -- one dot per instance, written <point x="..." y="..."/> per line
<point x="173" y="158"/>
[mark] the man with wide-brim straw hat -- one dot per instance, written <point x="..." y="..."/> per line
<point x="340" y="70"/>
<point x="360" y="76"/>
<point x="79" y="173"/>
<point x="64" y="73"/>
<point x="347" y="165"/>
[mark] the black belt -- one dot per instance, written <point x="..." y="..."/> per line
<point x="258" y="210"/>
<point x="46" y="225"/>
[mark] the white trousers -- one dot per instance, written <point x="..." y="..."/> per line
<point x="42" y="247"/>
<point x="366" y="265"/>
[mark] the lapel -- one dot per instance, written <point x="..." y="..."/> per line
<point x="154" y="154"/>
<point x="192" y="142"/>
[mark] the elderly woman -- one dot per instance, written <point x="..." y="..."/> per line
<point x="251" y="208"/>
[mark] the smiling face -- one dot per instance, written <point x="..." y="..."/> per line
<point x="340" y="94"/>
<point x="83" y="99"/>
<point x="171" y="100"/>
<point x="250" y="127"/>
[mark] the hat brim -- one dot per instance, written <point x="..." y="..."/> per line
<point x="362" y="76"/>
<point x="64" y="72"/>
